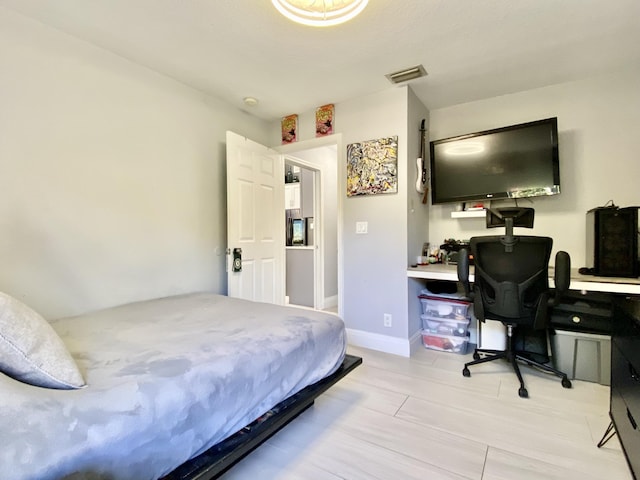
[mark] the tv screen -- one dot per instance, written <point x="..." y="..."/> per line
<point x="510" y="162"/>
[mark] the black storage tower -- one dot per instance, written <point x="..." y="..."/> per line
<point x="612" y="242"/>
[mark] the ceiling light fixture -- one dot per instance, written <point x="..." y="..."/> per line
<point x="320" y="13"/>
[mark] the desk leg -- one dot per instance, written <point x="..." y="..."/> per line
<point x="608" y="435"/>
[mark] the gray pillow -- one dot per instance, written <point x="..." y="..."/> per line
<point x="31" y="351"/>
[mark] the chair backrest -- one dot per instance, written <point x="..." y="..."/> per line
<point x="512" y="281"/>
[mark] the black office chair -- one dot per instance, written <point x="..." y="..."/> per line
<point x="512" y="285"/>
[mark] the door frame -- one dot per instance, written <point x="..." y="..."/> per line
<point x="290" y="151"/>
<point x="318" y="226"/>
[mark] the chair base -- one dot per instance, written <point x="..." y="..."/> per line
<point x="513" y="358"/>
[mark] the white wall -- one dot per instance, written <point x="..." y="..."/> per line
<point x="598" y="122"/>
<point x="374" y="265"/>
<point x="112" y="176"/>
<point x="417" y="212"/>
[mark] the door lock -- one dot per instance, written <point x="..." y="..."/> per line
<point x="237" y="259"/>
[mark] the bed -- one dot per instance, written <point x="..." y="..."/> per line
<point x="178" y="387"/>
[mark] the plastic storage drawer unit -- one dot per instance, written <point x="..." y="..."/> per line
<point x="441" y="307"/>
<point x="445" y="343"/>
<point x="445" y="326"/>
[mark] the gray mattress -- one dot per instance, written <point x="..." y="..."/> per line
<point x="167" y="379"/>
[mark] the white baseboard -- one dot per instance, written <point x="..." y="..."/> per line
<point x="382" y="343"/>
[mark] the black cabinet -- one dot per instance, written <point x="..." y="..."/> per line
<point x="577" y="311"/>
<point x="625" y="378"/>
<point x="612" y="239"/>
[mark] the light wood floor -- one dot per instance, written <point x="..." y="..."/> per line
<point x="419" y="418"/>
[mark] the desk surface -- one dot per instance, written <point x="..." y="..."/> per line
<point x="438" y="271"/>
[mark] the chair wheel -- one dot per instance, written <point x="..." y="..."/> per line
<point x="466" y="372"/>
<point x="566" y="383"/>
<point x="523" y="392"/>
<point x="476" y="356"/>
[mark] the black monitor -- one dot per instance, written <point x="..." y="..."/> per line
<point x="510" y="162"/>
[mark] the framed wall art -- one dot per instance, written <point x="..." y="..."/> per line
<point x="372" y="167"/>
<point x="289" y="129"/>
<point x="324" y="120"/>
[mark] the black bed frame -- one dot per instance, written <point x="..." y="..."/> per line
<point x="222" y="456"/>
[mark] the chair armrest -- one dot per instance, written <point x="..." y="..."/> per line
<point x="463" y="271"/>
<point x="561" y="276"/>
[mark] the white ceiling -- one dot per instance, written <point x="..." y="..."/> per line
<point x="472" y="49"/>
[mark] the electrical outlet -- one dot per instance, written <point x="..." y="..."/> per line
<point x="387" y="319"/>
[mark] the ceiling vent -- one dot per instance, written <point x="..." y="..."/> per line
<point x="407" y="74"/>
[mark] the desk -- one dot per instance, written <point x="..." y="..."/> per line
<point x="588" y="283"/>
<point x="624" y="406"/>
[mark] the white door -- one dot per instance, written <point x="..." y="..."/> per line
<point x="255" y="220"/>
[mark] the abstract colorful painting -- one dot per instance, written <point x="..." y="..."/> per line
<point x="372" y="167"/>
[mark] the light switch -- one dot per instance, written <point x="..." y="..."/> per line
<point x="361" y="227"/>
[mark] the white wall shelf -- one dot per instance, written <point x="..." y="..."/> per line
<point x="469" y="214"/>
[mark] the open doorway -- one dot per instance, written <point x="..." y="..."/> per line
<point x="301" y="269"/>
<point x="312" y="262"/>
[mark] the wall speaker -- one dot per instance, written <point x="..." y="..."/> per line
<point x="612" y="241"/>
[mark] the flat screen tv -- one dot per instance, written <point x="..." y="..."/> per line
<point x="510" y="162"/>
